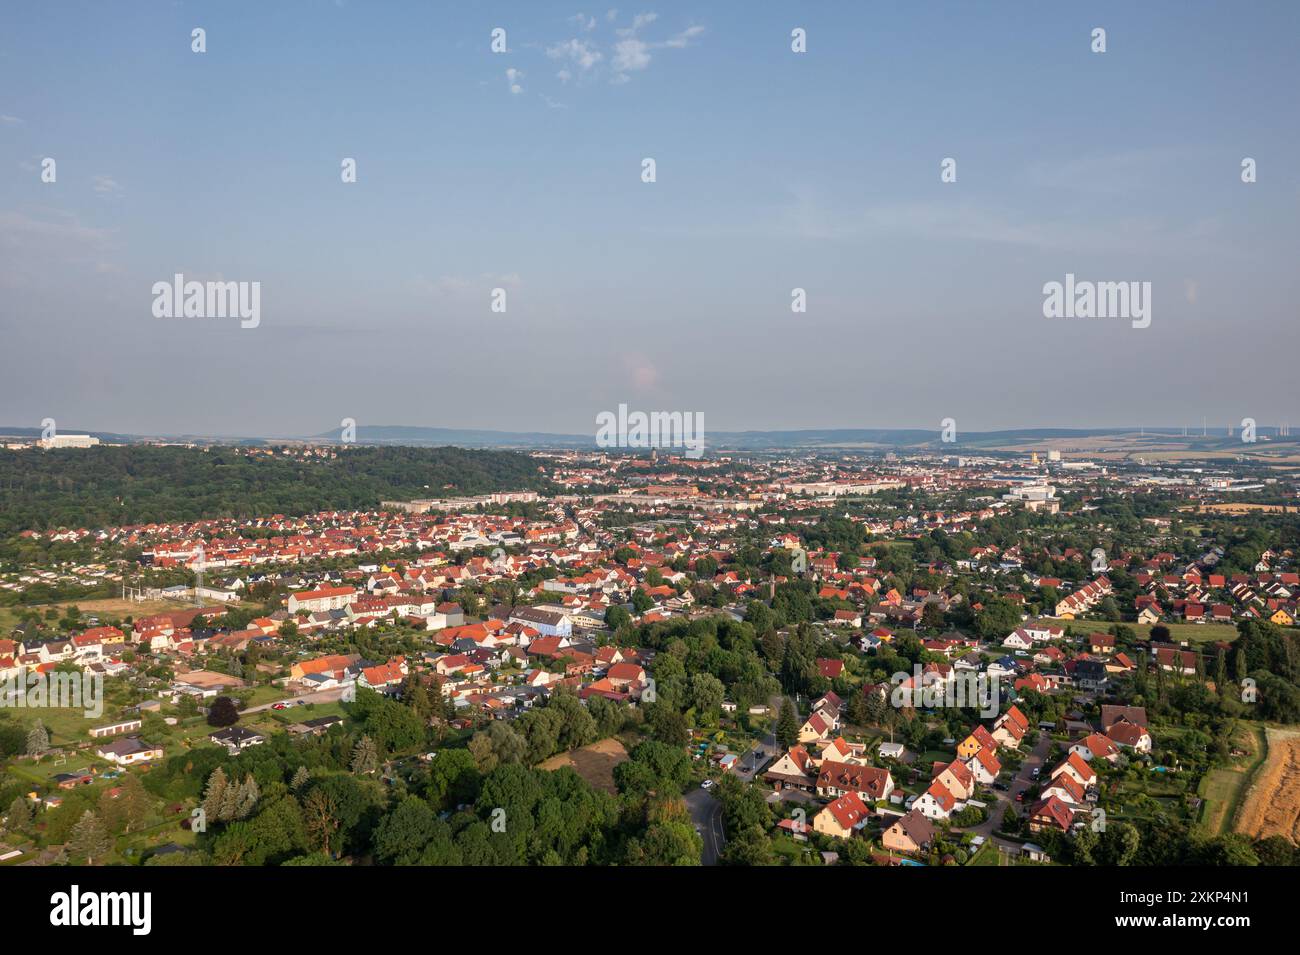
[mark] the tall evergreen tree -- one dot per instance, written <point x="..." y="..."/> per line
<point x="246" y="802"/>
<point x="38" y="739"/>
<point x="787" y="726"/>
<point x="365" y="757"/>
<point x="19" y="816"/>
<point x="90" y="839"/>
<point x="215" y="796"/>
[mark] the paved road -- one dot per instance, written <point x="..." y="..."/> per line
<point x="1005" y="801"/>
<point x="320" y="696"/>
<point x="706" y="813"/>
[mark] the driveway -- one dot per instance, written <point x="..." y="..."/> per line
<point x="749" y="764"/>
<point x="706" y="814"/>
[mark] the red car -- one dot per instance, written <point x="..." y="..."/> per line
<point x="278" y="706"/>
<point x="1020" y="796"/>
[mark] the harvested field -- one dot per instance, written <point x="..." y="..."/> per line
<point x="1239" y="508"/>
<point x="117" y="607"/>
<point x="1272" y="806"/>
<point x="594" y="763"/>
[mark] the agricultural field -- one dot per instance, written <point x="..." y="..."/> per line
<point x="1240" y="509"/>
<point x="1272" y="805"/>
<point x="1191" y="632"/>
<point x="105" y="608"/>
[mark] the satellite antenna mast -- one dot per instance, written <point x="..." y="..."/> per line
<point x="198" y="576"/>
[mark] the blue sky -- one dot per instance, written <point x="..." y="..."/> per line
<point x="774" y="171"/>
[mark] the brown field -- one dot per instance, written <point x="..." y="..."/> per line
<point x="1239" y="508"/>
<point x="1272" y="806"/>
<point x="1151" y="447"/>
<point x="107" y="608"/>
<point x="117" y="607"/>
<point x="594" y="763"/>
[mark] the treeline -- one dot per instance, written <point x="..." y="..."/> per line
<point x="1163" y="840"/>
<point x="336" y="799"/>
<point x="105" y="486"/>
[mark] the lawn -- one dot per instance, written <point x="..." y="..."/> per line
<point x="1224" y="788"/>
<point x="934" y="756"/>
<point x="1191" y="632"/>
<point x="988" y="855"/>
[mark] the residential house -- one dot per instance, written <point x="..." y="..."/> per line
<point x="794" y="770"/>
<point x="129" y="751"/>
<point x="1010" y="728"/>
<point x="1076" y="767"/>
<point x="236" y="739"/>
<point x="871" y="783"/>
<point x="936" y="802"/>
<point x="1097" y="746"/>
<point x="842" y="818"/>
<point x="911" y="833"/>
<point x="1050" y="813"/>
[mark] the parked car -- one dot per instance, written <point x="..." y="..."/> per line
<point x="707" y="784"/>
<point x="1036" y="770"/>
<point x="278" y="706"/>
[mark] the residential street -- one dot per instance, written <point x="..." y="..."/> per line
<point x="320" y="696"/>
<point x="706" y="814"/>
<point x="1036" y="758"/>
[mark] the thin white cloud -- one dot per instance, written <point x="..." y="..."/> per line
<point x="683" y="39"/>
<point x="463" y="286"/>
<point x="513" y="77"/>
<point x="584" y="58"/>
<point x="9" y="120"/>
<point x="638" y="21"/>
<point x="580" y="53"/>
<point x="106" y="185"/>
<point x="62" y="226"/>
<point x="31" y="242"/>
<point x="631" y="55"/>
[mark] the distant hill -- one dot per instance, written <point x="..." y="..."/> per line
<point x="809" y="439"/>
<point x="829" y="438"/>
<point x="460" y="437"/>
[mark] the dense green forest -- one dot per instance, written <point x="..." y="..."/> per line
<point x="104" y="486"/>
